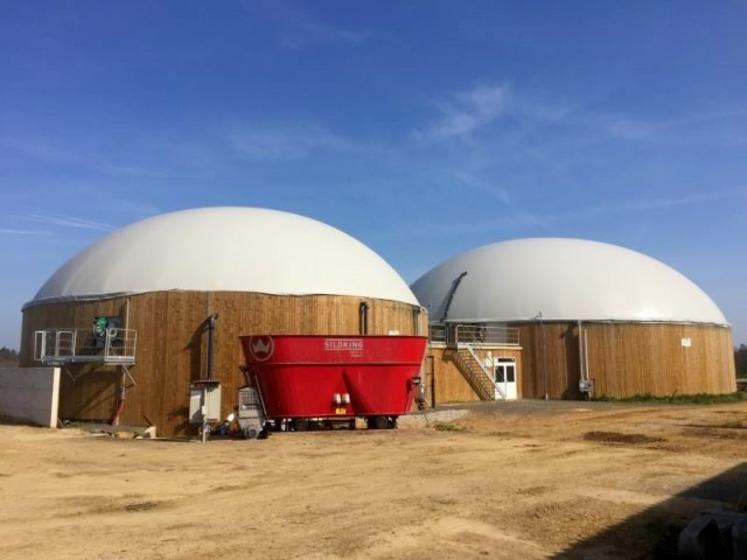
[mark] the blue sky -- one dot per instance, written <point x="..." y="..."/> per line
<point x="423" y="129"/>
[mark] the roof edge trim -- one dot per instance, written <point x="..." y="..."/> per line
<point x="595" y="321"/>
<point x="114" y="295"/>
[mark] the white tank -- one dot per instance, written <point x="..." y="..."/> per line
<point x="562" y="279"/>
<point x="227" y="248"/>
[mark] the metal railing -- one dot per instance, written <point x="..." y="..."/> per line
<point x="63" y="346"/>
<point x="487" y="374"/>
<point x="438" y="332"/>
<point x="474" y="335"/>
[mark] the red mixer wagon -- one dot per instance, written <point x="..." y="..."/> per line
<point x="323" y="378"/>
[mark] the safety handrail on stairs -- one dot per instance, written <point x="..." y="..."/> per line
<point x="498" y="388"/>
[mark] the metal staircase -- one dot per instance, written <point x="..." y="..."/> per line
<point x="477" y="376"/>
<point x="461" y="341"/>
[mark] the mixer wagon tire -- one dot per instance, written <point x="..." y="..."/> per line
<point x="378" y="423"/>
<point x="251" y="433"/>
<point x="301" y="425"/>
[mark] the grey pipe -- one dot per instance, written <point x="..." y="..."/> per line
<point x="581" y="353"/>
<point x="363" y="318"/>
<point x="210" y="352"/>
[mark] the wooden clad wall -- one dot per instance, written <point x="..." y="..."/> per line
<point x="550" y="360"/>
<point x="448" y="382"/>
<point x="172" y="342"/>
<point x="627" y="359"/>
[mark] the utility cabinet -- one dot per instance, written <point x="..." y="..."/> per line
<point x="204" y="402"/>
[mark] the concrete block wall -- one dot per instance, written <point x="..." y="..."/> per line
<point x="30" y="395"/>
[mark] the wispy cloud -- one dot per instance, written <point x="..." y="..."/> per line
<point x="520" y="116"/>
<point x="465" y="112"/>
<point x="546" y="223"/>
<point x="279" y="142"/>
<point x="40" y="151"/>
<point x="651" y="204"/>
<point x="13" y="231"/>
<point x="70" y="222"/>
<point x="93" y="154"/>
<point x="486" y="187"/>
<point x="299" y="29"/>
<point x="138" y="208"/>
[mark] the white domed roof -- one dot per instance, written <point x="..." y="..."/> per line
<point x="562" y="279"/>
<point x="232" y="249"/>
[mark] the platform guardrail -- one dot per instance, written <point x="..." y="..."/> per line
<point x="474" y="335"/>
<point x="71" y="345"/>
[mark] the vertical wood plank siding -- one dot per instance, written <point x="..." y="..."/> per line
<point x="451" y="385"/>
<point x="627" y="359"/>
<point x="172" y="344"/>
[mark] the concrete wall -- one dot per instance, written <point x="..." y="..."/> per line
<point x="30" y="395"/>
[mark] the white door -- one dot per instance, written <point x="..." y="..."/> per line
<point x="505" y="378"/>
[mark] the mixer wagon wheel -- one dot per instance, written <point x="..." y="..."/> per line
<point x="300" y="425"/>
<point x="377" y="422"/>
<point x="251" y="433"/>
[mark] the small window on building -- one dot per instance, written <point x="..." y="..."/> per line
<point x="510" y="375"/>
<point x="499" y="375"/>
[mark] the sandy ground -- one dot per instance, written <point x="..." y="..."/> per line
<point x="520" y="480"/>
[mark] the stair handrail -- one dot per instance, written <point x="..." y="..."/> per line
<point x="485" y="372"/>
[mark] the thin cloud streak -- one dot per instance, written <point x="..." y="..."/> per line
<point x="280" y="142"/>
<point x="658" y="203"/>
<point x="465" y="113"/>
<point x="298" y="29"/>
<point x="494" y="191"/>
<point x="70" y="222"/>
<point x="13" y="231"/>
<point x="545" y="222"/>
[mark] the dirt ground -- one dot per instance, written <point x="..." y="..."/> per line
<point x="509" y="480"/>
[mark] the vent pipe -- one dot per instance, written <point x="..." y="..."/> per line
<point x="363" y="318"/>
<point x="211" y="343"/>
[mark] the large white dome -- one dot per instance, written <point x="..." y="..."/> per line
<point x="232" y="249"/>
<point x="562" y="279"/>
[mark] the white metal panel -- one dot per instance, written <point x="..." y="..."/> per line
<point x="562" y="279"/>
<point x="227" y="248"/>
<point x="207" y="399"/>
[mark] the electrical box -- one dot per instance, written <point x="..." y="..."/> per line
<point x="204" y="401"/>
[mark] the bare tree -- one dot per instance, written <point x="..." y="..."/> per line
<point x="740" y="357"/>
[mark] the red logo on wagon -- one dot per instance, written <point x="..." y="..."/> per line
<point x="261" y="347"/>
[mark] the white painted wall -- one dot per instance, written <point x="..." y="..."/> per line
<point x="30" y="395"/>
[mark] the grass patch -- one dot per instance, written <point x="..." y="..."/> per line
<point x="448" y="427"/>
<point x="701" y="398"/>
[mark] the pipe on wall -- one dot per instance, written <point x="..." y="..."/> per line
<point x="211" y="343"/>
<point x="581" y="354"/>
<point x="416" y="311"/>
<point x="363" y="318"/>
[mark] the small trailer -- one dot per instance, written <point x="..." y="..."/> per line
<point x="312" y="381"/>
